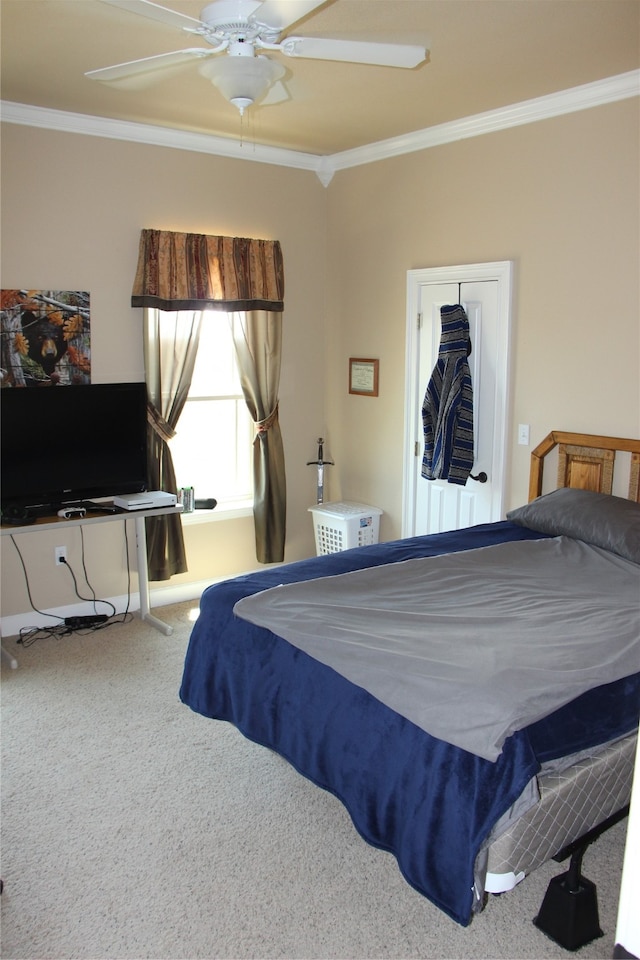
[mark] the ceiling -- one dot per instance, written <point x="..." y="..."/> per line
<point x="484" y="55"/>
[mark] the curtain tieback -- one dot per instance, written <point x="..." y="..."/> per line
<point x="261" y="426"/>
<point x="164" y="430"/>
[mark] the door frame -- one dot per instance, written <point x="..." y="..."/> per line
<point x="502" y="272"/>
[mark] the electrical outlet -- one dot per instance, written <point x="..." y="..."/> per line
<point x="60" y="554"/>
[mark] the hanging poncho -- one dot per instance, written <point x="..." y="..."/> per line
<point x="447" y="411"/>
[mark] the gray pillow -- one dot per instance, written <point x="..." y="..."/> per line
<point x="597" y="518"/>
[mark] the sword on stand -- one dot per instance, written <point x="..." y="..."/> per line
<point x="320" y="463"/>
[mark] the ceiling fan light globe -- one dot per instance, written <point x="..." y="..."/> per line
<point x="241" y="80"/>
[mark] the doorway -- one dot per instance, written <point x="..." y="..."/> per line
<point x="484" y="290"/>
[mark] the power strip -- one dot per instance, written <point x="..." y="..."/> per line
<point x="77" y="623"/>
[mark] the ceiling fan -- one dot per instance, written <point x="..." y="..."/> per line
<point x="238" y="29"/>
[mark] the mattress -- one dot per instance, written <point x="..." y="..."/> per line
<point x="474" y="645"/>
<point x="431" y="804"/>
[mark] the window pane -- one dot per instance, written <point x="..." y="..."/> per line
<point x="212" y="449"/>
<point x="215" y="372"/>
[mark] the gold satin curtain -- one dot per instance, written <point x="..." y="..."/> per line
<point x="185" y="271"/>
<point x="257" y="337"/>
<point x="170" y="349"/>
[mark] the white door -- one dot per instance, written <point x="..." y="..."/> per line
<point x="432" y="506"/>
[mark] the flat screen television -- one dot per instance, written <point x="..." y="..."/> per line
<point x="62" y="445"/>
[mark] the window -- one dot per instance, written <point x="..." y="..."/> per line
<point x="212" y="449"/>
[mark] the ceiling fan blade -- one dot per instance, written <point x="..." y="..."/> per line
<point x="153" y="11"/>
<point x="355" y="51"/>
<point x="279" y="14"/>
<point x="121" y="71"/>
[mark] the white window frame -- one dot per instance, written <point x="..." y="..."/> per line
<point x="230" y="508"/>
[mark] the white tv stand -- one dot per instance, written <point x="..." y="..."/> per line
<point x="138" y="516"/>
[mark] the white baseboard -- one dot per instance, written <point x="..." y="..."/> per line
<point x="159" y="597"/>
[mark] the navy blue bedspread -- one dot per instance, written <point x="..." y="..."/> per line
<point x="429" y="803"/>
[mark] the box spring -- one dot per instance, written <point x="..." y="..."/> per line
<point x="572" y="801"/>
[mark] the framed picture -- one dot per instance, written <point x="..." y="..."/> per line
<point x="363" y="377"/>
<point x="46" y="337"/>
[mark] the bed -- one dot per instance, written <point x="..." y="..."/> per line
<point x="470" y="795"/>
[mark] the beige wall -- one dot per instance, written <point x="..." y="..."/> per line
<point x="558" y="197"/>
<point x="72" y="210"/>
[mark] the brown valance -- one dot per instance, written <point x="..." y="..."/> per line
<point x="193" y="271"/>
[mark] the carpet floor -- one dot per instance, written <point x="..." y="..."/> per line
<point x="134" y="828"/>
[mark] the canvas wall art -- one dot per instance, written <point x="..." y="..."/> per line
<point x="46" y="338"/>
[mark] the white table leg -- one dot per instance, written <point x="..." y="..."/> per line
<point x="143" y="579"/>
<point x="8" y="658"/>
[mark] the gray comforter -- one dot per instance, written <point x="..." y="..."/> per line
<point x="470" y="646"/>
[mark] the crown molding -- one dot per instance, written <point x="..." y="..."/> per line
<point x="588" y="95"/>
<point x="61" y="120"/>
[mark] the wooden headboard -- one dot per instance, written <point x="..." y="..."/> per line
<point x="586" y="461"/>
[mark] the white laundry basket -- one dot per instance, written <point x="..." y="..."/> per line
<point x="340" y="526"/>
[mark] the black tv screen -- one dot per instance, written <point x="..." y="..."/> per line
<point x="65" y="444"/>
